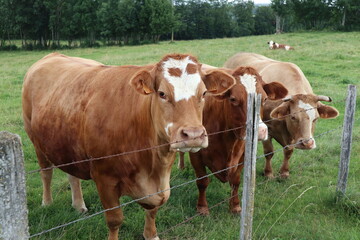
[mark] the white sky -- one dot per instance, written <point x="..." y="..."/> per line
<point x="262" y="1"/>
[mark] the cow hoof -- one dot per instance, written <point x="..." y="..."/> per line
<point x="204" y="211"/>
<point x="284" y="175"/>
<point x="82" y="210"/>
<point x="46" y="203"/>
<point x="153" y="238"/>
<point x="236" y="210"/>
<point x="269" y="175"/>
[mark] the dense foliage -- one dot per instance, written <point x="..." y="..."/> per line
<point x="45" y="23"/>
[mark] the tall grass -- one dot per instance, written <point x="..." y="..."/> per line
<point x="301" y="207"/>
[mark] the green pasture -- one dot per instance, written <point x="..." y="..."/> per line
<point x="301" y="207"/>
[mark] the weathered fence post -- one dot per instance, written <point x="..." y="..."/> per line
<point x="346" y="141"/>
<point x="252" y="121"/>
<point x="13" y="209"/>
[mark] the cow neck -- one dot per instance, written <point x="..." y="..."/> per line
<point x="215" y="120"/>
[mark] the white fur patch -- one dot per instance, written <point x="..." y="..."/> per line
<point x="287" y="47"/>
<point x="169" y="125"/>
<point x="249" y="82"/>
<point x="186" y="85"/>
<point x="277" y="45"/>
<point x="310" y="111"/>
<point x="271" y="44"/>
<point x="262" y="126"/>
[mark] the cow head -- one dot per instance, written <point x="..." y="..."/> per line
<point x="248" y="81"/>
<point x="301" y="113"/>
<point x="271" y="44"/>
<point x="177" y="87"/>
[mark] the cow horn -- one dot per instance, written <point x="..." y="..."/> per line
<point x="286" y="99"/>
<point x="324" y="98"/>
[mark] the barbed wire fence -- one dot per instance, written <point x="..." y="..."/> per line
<point x="9" y="159"/>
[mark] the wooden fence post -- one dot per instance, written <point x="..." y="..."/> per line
<point x="346" y="141"/>
<point x="13" y="208"/>
<point x="249" y="171"/>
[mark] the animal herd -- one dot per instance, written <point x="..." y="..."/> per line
<point x="76" y="109"/>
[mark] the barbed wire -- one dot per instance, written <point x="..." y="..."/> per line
<point x="194" y="216"/>
<point x="162" y="191"/>
<point x="161" y="145"/>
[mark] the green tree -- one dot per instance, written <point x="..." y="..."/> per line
<point x="264" y="20"/>
<point x="243" y="15"/>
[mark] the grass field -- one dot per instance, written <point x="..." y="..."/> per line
<point x="301" y="207"/>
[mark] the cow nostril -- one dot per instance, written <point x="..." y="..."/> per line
<point x="184" y="134"/>
<point x="192" y="133"/>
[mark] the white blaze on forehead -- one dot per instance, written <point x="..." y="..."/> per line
<point x="249" y="82"/>
<point x="169" y="125"/>
<point x="271" y="44"/>
<point x="186" y="85"/>
<point x="310" y="111"/>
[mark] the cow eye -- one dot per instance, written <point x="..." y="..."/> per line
<point x="232" y="99"/>
<point x="204" y="93"/>
<point x="293" y="118"/>
<point x="162" y="95"/>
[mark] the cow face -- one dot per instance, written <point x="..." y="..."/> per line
<point x="271" y="44"/>
<point x="178" y="87"/>
<point x="301" y="113"/>
<point x="249" y="81"/>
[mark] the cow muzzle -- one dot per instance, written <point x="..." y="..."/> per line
<point x="190" y="139"/>
<point x="262" y="132"/>
<point x="306" y="143"/>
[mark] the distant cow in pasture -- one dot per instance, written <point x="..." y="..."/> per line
<point x="229" y="111"/>
<point x="293" y="118"/>
<point x="273" y="45"/>
<point x="77" y="109"/>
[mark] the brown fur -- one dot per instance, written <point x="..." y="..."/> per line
<point x="227" y="149"/>
<point x="76" y="109"/>
<point x="176" y="72"/>
<point x="293" y="124"/>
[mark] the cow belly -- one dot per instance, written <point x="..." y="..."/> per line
<point x="59" y="145"/>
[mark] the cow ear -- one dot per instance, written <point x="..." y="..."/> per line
<point x="143" y="82"/>
<point x="281" y="111"/>
<point x="217" y="82"/>
<point x="327" y="111"/>
<point x="275" y="90"/>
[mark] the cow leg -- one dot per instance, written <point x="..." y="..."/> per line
<point x="109" y="196"/>
<point x="237" y="158"/>
<point x="284" y="170"/>
<point x="268" y="151"/>
<point x="181" y="164"/>
<point x="150" y="227"/>
<point x="46" y="177"/>
<point x="76" y="194"/>
<point x="234" y="181"/>
<point x="202" y="205"/>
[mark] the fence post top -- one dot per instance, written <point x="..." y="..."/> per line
<point x="6" y="136"/>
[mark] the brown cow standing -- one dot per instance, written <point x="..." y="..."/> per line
<point x="295" y="115"/>
<point x="228" y="111"/>
<point x="78" y="109"/>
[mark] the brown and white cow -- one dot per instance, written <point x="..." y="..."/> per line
<point x="228" y="111"/>
<point x="273" y="45"/>
<point x="76" y="109"/>
<point x="294" y="117"/>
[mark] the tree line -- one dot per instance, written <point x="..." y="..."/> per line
<point x="54" y="24"/>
